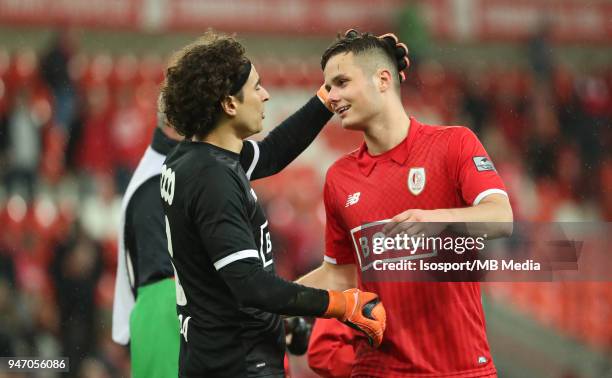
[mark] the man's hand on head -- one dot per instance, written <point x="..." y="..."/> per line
<point x="400" y="48"/>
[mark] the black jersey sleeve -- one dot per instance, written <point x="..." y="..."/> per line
<point x="145" y="236"/>
<point x="286" y="142"/>
<point x="255" y="287"/>
<point x="220" y="212"/>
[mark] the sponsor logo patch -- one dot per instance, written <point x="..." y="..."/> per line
<point x="483" y="163"/>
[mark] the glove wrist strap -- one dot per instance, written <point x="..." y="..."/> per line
<point x="337" y="305"/>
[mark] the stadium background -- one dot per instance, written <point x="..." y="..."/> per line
<point x="532" y="78"/>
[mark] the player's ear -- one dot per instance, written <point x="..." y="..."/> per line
<point x="228" y="104"/>
<point x="384" y="80"/>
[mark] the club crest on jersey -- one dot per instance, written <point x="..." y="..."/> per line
<point x="416" y="180"/>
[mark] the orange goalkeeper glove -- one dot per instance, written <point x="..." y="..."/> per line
<point x="360" y="310"/>
<point x="323" y="95"/>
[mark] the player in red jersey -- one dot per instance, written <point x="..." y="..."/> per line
<point x="440" y="174"/>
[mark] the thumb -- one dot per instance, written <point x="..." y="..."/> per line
<point x="323" y="95"/>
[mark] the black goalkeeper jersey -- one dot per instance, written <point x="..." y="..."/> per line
<point x="217" y="233"/>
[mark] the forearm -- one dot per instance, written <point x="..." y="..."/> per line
<point x="493" y="218"/>
<point x="289" y="139"/>
<point x="328" y="276"/>
<point x="254" y="287"/>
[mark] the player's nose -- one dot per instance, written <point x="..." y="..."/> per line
<point x="333" y="95"/>
<point x="265" y="96"/>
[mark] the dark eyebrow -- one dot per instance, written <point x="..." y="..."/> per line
<point x="335" y="80"/>
<point x="338" y="77"/>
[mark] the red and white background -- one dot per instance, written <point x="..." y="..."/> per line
<point x="471" y="20"/>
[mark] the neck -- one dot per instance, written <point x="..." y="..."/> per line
<point x="223" y="136"/>
<point x="170" y="132"/>
<point x="387" y="130"/>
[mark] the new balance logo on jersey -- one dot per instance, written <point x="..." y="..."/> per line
<point x="352" y="199"/>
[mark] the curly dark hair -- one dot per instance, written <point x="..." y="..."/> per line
<point x="359" y="43"/>
<point x="198" y="78"/>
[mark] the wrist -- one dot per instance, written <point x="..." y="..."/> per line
<point x="322" y="95"/>
<point x="445" y="216"/>
<point x="336" y="307"/>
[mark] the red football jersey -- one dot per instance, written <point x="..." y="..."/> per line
<point x="433" y="328"/>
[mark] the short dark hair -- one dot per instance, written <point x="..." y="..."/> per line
<point x="200" y="76"/>
<point x="359" y="43"/>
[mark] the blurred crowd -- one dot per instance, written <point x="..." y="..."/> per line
<point x="73" y="127"/>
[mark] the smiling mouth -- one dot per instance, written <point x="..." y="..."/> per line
<point x="341" y="110"/>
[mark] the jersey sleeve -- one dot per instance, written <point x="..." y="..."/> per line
<point x="220" y="212"/>
<point x="286" y="142"/>
<point x="337" y="239"/>
<point x="472" y="168"/>
<point x="144" y="223"/>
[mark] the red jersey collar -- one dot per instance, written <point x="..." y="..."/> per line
<point x="398" y="154"/>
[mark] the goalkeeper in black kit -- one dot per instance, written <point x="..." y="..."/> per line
<point x="229" y="300"/>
